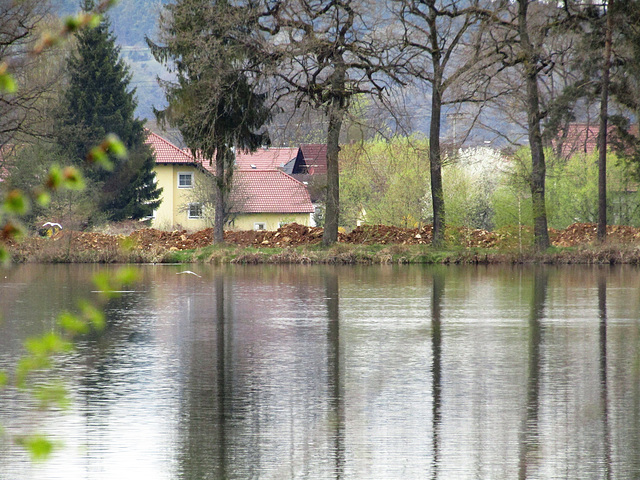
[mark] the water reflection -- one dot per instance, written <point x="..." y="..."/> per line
<point x="604" y="393"/>
<point x="437" y="294"/>
<point x="529" y="441"/>
<point x="336" y="400"/>
<point x="383" y="372"/>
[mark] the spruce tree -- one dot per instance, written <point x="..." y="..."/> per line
<point x="215" y="102"/>
<point x="98" y="102"/>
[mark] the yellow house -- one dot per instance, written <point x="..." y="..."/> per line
<point x="262" y="199"/>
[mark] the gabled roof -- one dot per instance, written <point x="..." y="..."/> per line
<point x="169" y="154"/>
<point x="269" y="191"/>
<point x="312" y="159"/>
<point x="583" y="138"/>
<point x="265" y="158"/>
<point x="579" y="138"/>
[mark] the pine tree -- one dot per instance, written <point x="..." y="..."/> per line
<point x="215" y="102"/>
<point x="98" y="102"/>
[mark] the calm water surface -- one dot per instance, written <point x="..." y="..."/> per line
<point x="355" y="373"/>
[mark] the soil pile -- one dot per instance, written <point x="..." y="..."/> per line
<point x="289" y="235"/>
<point x="152" y="240"/>
<point x="586" y="233"/>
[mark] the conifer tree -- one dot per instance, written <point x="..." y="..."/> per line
<point x="98" y="102"/>
<point x="215" y="102"/>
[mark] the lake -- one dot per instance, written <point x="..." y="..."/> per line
<point x="312" y="372"/>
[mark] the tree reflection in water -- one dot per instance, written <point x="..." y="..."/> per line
<point x="332" y="295"/>
<point x="528" y="438"/>
<point x="604" y="393"/>
<point x="437" y="296"/>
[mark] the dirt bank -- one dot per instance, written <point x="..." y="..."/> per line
<point x="150" y="244"/>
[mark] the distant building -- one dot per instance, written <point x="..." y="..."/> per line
<point x="263" y="197"/>
<point x="581" y="138"/>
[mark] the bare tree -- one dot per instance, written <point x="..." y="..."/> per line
<point x="602" y="135"/>
<point x="23" y="112"/>
<point x="325" y="53"/>
<point x="204" y="196"/>
<point x="445" y="39"/>
<point x="520" y="37"/>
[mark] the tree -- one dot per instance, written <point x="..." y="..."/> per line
<point x="384" y="182"/>
<point x="97" y="102"/>
<point x="41" y="351"/>
<point x="447" y="38"/>
<point x="214" y="101"/>
<point x="520" y="37"/>
<point x="602" y="135"/>
<point x="21" y="109"/>
<point x="325" y="53"/>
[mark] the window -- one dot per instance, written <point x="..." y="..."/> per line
<point x="259" y="226"/>
<point x="185" y="180"/>
<point x="195" y="210"/>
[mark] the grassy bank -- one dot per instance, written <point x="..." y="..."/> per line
<point x="339" y="253"/>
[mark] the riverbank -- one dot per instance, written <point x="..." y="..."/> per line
<point x="297" y="244"/>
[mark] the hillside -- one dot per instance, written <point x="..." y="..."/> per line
<point x="131" y="21"/>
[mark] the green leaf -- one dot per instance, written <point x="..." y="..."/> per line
<point x="72" y="178"/>
<point x="72" y="23"/>
<point x="5" y="258"/>
<point x="4" y="378"/>
<point x="94" y="316"/>
<point x="99" y="156"/>
<point x="38" y="446"/>
<point x="126" y="276"/>
<point x="72" y="324"/>
<point x="48" y="344"/>
<point x="12" y="229"/>
<point x="115" y="146"/>
<point x="43" y="198"/>
<point x="102" y="281"/>
<point x="94" y="21"/>
<point x="16" y="203"/>
<point x="29" y="364"/>
<point x="52" y="394"/>
<point x="7" y="83"/>
<point x="55" y="178"/>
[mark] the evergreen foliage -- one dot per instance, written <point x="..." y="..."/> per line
<point x="214" y="102"/>
<point x="98" y="102"/>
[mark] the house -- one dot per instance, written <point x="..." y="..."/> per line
<point x="272" y="158"/>
<point x="263" y="197"/>
<point x="268" y="199"/>
<point x="582" y="138"/>
<point x="177" y="172"/>
<point x="311" y="159"/>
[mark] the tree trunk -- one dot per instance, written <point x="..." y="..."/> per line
<point x="218" y="228"/>
<point x="602" y="136"/>
<point x="332" y="213"/>
<point x="538" y="167"/>
<point x="336" y="113"/>
<point x="435" y="162"/>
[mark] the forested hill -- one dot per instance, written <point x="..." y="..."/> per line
<point x="131" y="21"/>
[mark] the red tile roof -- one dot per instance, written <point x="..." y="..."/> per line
<point x="583" y="138"/>
<point x="265" y="158"/>
<point x="313" y="157"/>
<point x="580" y="138"/>
<point x="168" y="153"/>
<point x="269" y="191"/>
